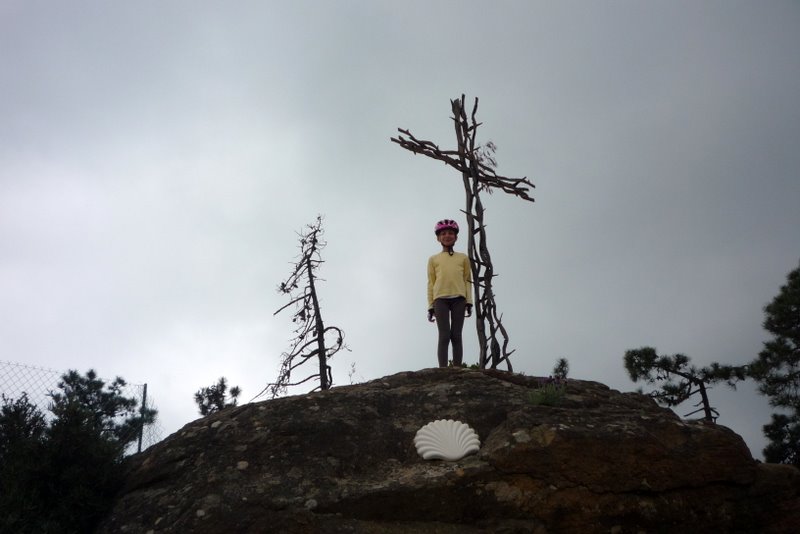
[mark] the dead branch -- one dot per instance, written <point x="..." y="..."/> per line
<point x="310" y="337"/>
<point x="488" y="177"/>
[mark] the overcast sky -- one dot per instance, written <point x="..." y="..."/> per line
<point x="157" y="160"/>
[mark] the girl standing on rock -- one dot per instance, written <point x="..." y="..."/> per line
<point x="449" y="292"/>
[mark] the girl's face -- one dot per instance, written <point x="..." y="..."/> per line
<point x="447" y="238"/>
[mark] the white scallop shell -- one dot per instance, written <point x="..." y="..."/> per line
<point x="445" y="439"/>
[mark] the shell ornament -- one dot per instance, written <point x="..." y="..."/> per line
<point x="445" y="439"/>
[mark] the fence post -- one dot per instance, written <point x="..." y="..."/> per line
<point x="142" y="412"/>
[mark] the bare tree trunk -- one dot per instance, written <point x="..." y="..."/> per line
<point x="324" y="383"/>
<point x="706" y="404"/>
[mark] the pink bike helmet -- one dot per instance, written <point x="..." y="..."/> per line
<point x="446" y="224"/>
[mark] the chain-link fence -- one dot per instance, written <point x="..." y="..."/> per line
<point x="37" y="383"/>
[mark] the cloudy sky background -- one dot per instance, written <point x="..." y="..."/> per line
<point x="158" y="158"/>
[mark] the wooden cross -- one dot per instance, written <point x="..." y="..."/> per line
<point x="476" y="164"/>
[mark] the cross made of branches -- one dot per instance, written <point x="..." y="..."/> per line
<point x="477" y="165"/>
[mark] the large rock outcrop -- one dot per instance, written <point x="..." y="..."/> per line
<point x="344" y="461"/>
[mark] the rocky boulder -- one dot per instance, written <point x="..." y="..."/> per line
<point x="589" y="460"/>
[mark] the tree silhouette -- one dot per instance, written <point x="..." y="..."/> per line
<point x="477" y="164"/>
<point x="101" y="407"/>
<point x="561" y="369"/>
<point x="644" y="364"/>
<point x="777" y="371"/>
<point x="60" y="474"/>
<point x="214" y="397"/>
<point x="312" y="339"/>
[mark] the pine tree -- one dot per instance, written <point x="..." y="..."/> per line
<point x="215" y="397"/>
<point x="777" y="370"/>
<point x="61" y="474"/>
<point x="679" y="380"/>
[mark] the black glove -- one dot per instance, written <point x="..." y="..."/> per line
<point x="469" y="310"/>
<point x="430" y="315"/>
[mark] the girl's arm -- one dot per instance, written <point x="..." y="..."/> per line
<point x="431" y="281"/>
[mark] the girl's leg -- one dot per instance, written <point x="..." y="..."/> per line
<point x="457" y="308"/>
<point x="441" y="310"/>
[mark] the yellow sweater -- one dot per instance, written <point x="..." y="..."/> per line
<point x="449" y="276"/>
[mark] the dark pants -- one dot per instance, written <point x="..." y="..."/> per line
<point x="450" y="321"/>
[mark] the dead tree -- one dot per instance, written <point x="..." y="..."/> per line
<point x="476" y="164"/>
<point x="311" y="334"/>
